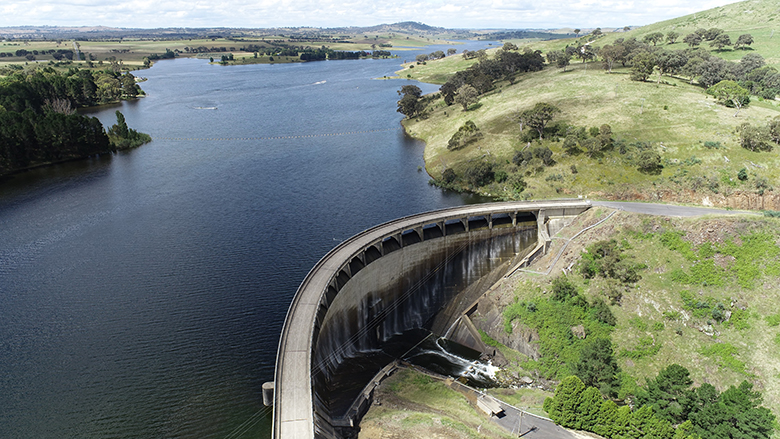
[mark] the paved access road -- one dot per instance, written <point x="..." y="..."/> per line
<point x="530" y="426"/>
<point x="667" y="209"/>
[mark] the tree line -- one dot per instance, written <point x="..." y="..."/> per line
<point x="39" y="123"/>
<point x="667" y="408"/>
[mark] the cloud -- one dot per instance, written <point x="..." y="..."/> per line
<point x="331" y="13"/>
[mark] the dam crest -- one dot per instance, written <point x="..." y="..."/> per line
<point x="368" y="299"/>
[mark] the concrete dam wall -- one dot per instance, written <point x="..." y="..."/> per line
<point x="378" y="294"/>
<point x="389" y="306"/>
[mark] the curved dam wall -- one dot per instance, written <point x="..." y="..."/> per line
<point x="392" y="304"/>
<point x="363" y="303"/>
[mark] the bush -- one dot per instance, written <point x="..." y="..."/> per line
<point x="448" y="176"/>
<point x="563" y="289"/>
<point x="649" y="162"/>
<point x="604" y="258"/>
<point x="479" y="174"/>
<point x="466" y="134"/>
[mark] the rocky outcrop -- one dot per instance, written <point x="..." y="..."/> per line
<point x="490" y="319"/>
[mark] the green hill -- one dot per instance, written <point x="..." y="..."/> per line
<point x="670" y="115"/>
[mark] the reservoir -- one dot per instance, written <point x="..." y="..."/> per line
<point x="142" y="294"/>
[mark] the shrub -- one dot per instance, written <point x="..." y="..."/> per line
<point x="479" y="174"/>
<point x="466" y="134"/>
<point x="448" y="176"/>
<point x="563" y="289"/>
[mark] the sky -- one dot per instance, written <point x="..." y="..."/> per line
<point x="465" y="14"/>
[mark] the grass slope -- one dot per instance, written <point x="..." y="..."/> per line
<point x="676" y="116"/>
<point x="671" y="315"/>
<point x="415" y="405"/>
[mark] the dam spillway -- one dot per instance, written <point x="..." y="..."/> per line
<point x="375" y="295"/>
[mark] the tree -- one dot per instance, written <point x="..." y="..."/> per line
<point x="712" y="71"/>
<point x="411" y="90"/>
<point x="773" y="129"/>
<point x="590" y="406"/>
<point x="466" y="134"/>
<point x="539" y="116"/>
<point x="721" y="41"/>
<point x="563" y="289"/>
<point x="563" y="407"/>
<point x="409" y="105"/>
<point x="577" y="32"/>
<point x="730" y="94"/>
<point x="669" y="394"/>
<point x="642" y="66"/>
<point x="753" y="138"/>
<point x="671" y="36"/>
<point x="712" y="33"/>
<point x="692" y="40"/>
<point x="743" y="41"/>
<point x="609" y="54"/>
<point x="655" y="37"/>
<point x="649" y="162"/>
<point x="466" y="96"/>
<point x="479" y="174"/>
<point x="563" y="60"/>
<point x="509" y="46"/>
<point x="597" y="366"/>
<point x="735" y="413"/>
<point x="451" y="51"/>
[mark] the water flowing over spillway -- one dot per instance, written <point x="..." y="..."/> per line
<point x="394" y="303"/>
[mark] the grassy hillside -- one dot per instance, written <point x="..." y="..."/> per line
<point x="669" y="115"/>
<point x="760" y="18"/>
<point x="413" y="405"/>
<point x="698" y="271"/>
<point x="675" y="116"/>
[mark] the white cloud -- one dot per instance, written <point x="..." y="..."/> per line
<point x="331" y="13"/>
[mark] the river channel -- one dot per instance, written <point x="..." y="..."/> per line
<point x="142" y="294"/>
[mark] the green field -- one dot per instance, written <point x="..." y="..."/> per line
<point x="131" y="52"/>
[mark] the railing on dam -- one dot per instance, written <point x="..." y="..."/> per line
<point x="293" y="413"/>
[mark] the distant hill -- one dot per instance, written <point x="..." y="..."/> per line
<point x="405" y="28"/>
<point x="760" y="18"/>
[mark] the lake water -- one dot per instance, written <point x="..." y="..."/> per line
<point x="142" y="294"/>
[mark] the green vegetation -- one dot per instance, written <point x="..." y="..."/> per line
<point x="38" y="120"/>
<point x="666" y="402"/>
<point x="718" y="324"/>
<point x="415" y="405"/>
<point x="666" y="138"/>
<point x="573" y="334"/>
<point x="122" y="137"/>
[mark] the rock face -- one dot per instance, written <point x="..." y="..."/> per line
<point x="578" y="331"/>
<point x="489" y="318"/>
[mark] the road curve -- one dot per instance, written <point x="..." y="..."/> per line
<point x="293" y="415"/>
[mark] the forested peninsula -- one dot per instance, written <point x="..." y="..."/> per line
<point x="38" y="120"/>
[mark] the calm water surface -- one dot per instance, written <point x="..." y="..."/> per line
<point x="142" y="295"/>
